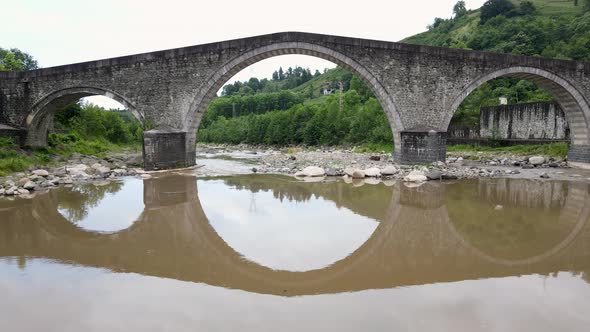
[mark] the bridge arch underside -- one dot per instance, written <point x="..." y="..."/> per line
<point x="232" y="67"/>
<point x="40" y="120"/>
<point x="571" y="101"/>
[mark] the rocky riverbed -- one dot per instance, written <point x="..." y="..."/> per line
<point x="305" y="164"/>
<point x="78" y="168"/>
<point x="320" y="163"/>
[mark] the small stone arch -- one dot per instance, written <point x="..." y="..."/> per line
<point x="571" y="101"/>
<point x="41" y="116"/>
<point x="230" y="68"/>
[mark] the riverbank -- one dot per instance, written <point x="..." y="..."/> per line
<point x="307" y="164"/>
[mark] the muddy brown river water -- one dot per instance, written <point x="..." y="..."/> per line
<point x="270" y="253"/>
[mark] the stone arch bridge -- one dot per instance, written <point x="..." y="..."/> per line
<point x="419" y="87"/>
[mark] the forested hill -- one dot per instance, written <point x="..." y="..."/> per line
<point x="296" y="107"/>
<point x="547" y="28"/>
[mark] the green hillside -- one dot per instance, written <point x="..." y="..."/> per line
<point x="548" y="28"/>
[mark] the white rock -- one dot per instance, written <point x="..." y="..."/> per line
<point x="41" y="172"/>
<point x="80" y="167"/>
<point x="299" y="174"/>
<point x="102" y="170"/>
<point x="536" y="160"/>
<point x="146" y="176"/>
<point x="10" y="191"/>
<point x="389" y="170"/>
<point x="415" y="176"/>
<point x="22" y="181"/>
<point x="314" y="171"/>
<point x="23" y="191"/>
<point x="29" y="185"/>
<point x="372" y="172"/>
<point x="2" y="191"/>
<point x="349" y="170"/>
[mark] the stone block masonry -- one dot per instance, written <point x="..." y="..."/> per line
<point x="164" y="148"/>
<point x="542" y="120"/>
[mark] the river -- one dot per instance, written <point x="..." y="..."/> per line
<point x="181" y="252"/>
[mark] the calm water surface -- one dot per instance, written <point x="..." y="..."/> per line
<point x="268" y="253"/>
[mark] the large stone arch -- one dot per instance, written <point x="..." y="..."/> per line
<point x="230" y="68"/>
<point x="42" y="112"/>
<point x="569" y="98"/>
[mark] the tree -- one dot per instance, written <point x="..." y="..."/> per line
<point x="15" y="59"/>
<point x="493" y="8"/>
<point x="437" y="22"/>
<point x="281" y="74"/>
<point x="459" y="9"/>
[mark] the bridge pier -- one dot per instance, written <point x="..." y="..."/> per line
<point x="421" y="146"/>
<point x="579" y="156"/>
<point x="165" y="148"/>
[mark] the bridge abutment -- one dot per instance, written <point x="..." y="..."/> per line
<point x="165" y="148"/>
<point x="421" y="146"/>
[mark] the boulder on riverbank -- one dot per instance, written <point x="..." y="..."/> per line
<point x="313" y="171"/>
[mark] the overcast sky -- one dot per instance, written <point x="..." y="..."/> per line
<point x="58" y="32"/>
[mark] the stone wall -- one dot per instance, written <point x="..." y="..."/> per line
<point x="542" y="120"/>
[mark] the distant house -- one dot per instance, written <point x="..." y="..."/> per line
<point x="326" y="91"/>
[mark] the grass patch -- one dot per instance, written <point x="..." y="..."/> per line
<point x="552" y="150"/>
<point x="13" y="159"/>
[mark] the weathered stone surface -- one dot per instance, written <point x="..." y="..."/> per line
<point x="313" y="171"/>
<point x="372" y="172"/>
<point x="349" y="171"/>
<point x="41" y="172"/>
<point x="332" y="172"/>
<point x="389" y="170"/>
<point x="434" y="175"/>
<point x="537" y="160"/>
<point x="415" y="176"/>
<point x="29" y="185"/>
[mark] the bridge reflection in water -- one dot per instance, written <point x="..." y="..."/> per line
<point x="439" y="232"/>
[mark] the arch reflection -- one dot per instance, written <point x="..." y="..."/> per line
<point x="420" y="239"/>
